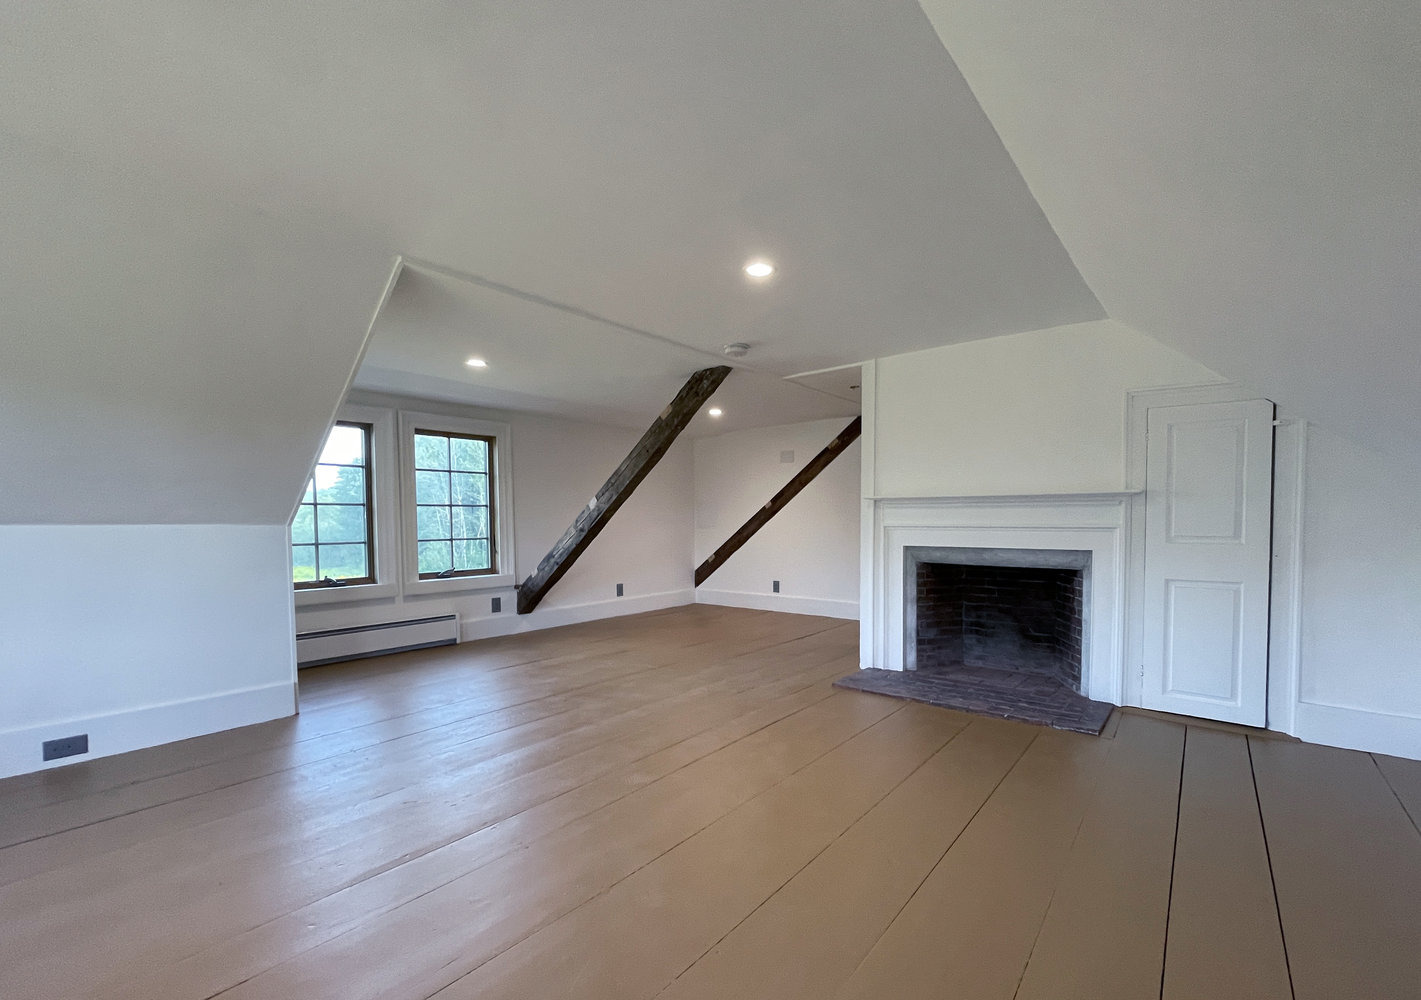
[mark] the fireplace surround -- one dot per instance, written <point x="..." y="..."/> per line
<point x="1087" y="532"/>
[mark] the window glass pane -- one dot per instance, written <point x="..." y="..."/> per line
<point x="340" y="524"/>
<point x="340" y="484"/>
<point x="310" y="495"/>
<point x="469" y="456"/>
<point x="469" y="488"/>
<point x="303" y="563"/>
<point x="303" y="528"/>
<point x="471" y="555"/>
<point x="433" y="522"/>
<point x="345" y="446"/>
<point x="470" y="522"/>
<point x="342" y="562"/>
<point x="431" y="487"/>
<point x="431" y="451"/>
<point x="434" y="557"/>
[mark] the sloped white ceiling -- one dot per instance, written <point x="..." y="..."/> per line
<point x="165" y="357"/>
<point x="241" y="170"/>
<point x="543" y="359"/>
<point x="1241" y="181"/>
<point x="200" y="202"/>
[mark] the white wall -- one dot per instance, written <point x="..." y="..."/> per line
<point x="140" y="634"/>
<point x="557" y="466"/>
<point x="1359" y="658"/>
<point x="1037" y="412"/>
<point x="811" y="546"/>
<point x="1044" y="413"/>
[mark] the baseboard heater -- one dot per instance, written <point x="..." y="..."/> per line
<point x="331" y="645"/>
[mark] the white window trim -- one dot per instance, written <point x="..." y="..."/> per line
<point x="383" y="465"/>
<point x="503" y="511"/>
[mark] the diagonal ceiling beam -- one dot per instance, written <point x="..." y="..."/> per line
<point x="777" y="503"/>
<point x="615" y="491"/>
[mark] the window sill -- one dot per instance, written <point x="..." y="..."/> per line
<point x="316" y="596"/>
<point x="497" y="581"/>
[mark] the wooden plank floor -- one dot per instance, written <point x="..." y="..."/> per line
<point x="678" y="805"/>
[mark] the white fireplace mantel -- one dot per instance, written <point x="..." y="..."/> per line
<point x="1094" y="522"/>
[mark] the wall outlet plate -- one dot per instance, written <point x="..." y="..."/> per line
<point x="65" y="746"/>
<point x="775" y="586"/>
<point x="620" y="592"/>
<point x="496" y="605"/>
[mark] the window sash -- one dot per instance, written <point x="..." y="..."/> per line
<point x="431" y="541"/>
<point x="316" y="505"/>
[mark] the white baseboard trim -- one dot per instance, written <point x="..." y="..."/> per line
<point x="120" y="732"/>
<point x="1358" y="729"/>
<point x="512" y="623"/>
<point x="822" y="606"/>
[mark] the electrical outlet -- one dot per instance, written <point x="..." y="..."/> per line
<point x="619" y="590"/>
<point x="775" y="586"/>
<point x="786" y="457"/>
<point x="66" y="746"/>
<point x="497" y="605"/>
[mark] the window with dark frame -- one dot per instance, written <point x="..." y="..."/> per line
<point x="454" y="514"/>
<point x="332" y="537"/>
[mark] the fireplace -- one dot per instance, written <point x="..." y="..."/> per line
<point x="1052" y="635"/>
<point x="996" y="631"/>
<point x="1000" y="609"/>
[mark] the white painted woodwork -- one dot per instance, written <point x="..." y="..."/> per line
<point x="1208" y="515"/>
<point x="1090" y="522"/>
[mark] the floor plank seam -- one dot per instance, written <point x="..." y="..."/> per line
<point x="595" y="775"/>
<point x="888" y="927"/>
<point x="297" y="742"/>
<point x="381" y="914"/>
<point x="842" y="833"/>
<point x="607" y="889"/>
<point x="1173" y="863"/>
<point x="331" y="757"/>
<point x="357" y="750"/>
<point x="1272" y="878"/>
<point x="1399" y="800"/>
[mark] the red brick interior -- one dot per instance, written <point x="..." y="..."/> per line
<point x="1002" y="617"/>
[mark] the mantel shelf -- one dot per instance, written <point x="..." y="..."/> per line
<point x="1021" y="498"/>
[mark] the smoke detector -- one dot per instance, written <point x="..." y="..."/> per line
<point x="736" y="350"/>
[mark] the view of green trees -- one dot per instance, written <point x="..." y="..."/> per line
<point x="453" y="512"/>
<point x="328" y="536"/>
<point x="453" y="523"/>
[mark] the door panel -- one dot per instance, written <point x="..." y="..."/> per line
<point x="1206" y="487"/>
<point x="1204" y="640"/>
<point x="1208" y="514"/>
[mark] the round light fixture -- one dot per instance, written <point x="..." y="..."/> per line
<point x="759" y="269"/>
<point x="715" y="411"/>
<point x="476" y="363"/>
<point x="735" y="350"/>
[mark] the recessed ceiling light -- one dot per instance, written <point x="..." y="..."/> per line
<point x="476" y="363"/>
<point x="715" y="411"/>
<point x="759" y="269"/>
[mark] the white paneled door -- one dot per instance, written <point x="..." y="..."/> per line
<point x="1208" y="539"/>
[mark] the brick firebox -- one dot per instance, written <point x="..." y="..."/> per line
<point x="1004" y="617"/>
<point x="1006" y="609"/>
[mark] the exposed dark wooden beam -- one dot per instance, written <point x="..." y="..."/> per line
<point x="614" y="492"/>
<point x="777" y="503"/>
